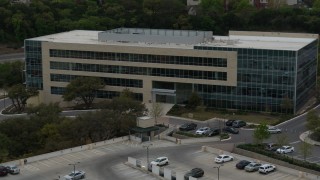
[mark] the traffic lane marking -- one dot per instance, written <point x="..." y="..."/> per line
<point x="295" y="142"/>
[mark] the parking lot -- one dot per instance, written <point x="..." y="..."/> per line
<point x="60" y="163"/>
<point x="228" y="171"/>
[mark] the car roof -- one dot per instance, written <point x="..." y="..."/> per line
<point x="161" y="157"/>
<point x="264" y="165"/>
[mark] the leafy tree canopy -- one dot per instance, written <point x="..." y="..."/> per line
<point x="83" y="89"/>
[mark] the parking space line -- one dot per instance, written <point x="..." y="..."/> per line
<point x="31" y="168"/>
<point x="65" y="159"/>
<point x="73" y="156"/>
<point x="84" y="154"/>
<point x="295" y="142"/>
<point x="282" y="177"/>
<point x="43" y="163"/>
<point x="54" y="161"/>
<point x="108" y="149"/>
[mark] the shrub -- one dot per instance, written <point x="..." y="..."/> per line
<point x="177" y="110"/>
<point x="224" y="136"/>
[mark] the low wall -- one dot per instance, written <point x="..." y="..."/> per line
<point x="273" y="161"/>
<point x="135" y="138"/>
<point x="67" y="151"/>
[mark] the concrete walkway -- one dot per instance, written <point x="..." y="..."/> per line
<point x="305" y="137"/>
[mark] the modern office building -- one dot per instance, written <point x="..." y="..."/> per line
<point x="255" y="71"/>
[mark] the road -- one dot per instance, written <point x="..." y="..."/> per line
<point x="12" y="57"/>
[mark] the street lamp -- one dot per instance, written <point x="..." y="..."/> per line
<point x="147" y="146"/>
<point x="74" y="168"/>
<point x="218" y="167"/>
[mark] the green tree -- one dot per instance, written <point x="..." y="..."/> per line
<point x="282" y="139"/>
<point x="261" y="133"/>
<point x="83" y="89"/>
<point x="287" y="104"/>
<point x="19" y="95"/>
<point x="313" y="124"/>
<point x="305" y="149"/>
<point x="4" y="150"/>
<point x="316" y="5"/>
<point x="194" y="101"/>
<point x="156" y="111"/>
<point x="11" y="73"/>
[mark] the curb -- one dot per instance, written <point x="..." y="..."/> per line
<point x="304" y="138"/>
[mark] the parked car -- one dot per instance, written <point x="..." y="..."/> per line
<point x="195" y="172"/>
<point x="252" y="167"/>
<point x="266" y="168"/>
<point x="229" y="122"/>
<point x="202" y="130"/>
<point x="213" y="132"/>
<point x="231" y="130"/>
<point x="274" y="130"/>
<point x="3" y="171"/>
<point x="223" y="158"/>
<point x="242" y="164"/>
<point x="160" y="161"/>
<point x="188" y="127"/>
<point x="75" y="175"/>
<point x="285" y="149"/>
<point x="271" y="146"/>
<point x="238" y="124"/>
<point x="13" y="169"/>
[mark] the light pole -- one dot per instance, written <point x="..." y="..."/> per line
<point x="74" y="168"/>
<point x="147" y="146"/>
<point x="218" y="167"/>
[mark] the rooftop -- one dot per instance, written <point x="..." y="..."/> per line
<point x="182" y="39"/>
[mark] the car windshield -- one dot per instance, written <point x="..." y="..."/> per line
<point x="157" y="160"/>
<point x="251" y="165"/>
<point x="219" y="157"/>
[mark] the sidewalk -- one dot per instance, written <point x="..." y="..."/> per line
<point x="305" y="137"/>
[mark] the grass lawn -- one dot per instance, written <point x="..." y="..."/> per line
<point x="248" y="117"/>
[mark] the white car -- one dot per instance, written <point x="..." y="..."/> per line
<point x="274" y="130"/>
<point x="13" y="169"/>
<point x="202" y="130"/>
<point x="266" y="168"/>
<point x="75" y="175"/>
<point x="160" y="161"/>
<point x="223" y="158"/>
<point x="285" y="149"/>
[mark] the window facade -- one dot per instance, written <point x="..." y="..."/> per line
<point x="265" y="79"/>
<point x="33" y="59"/>
<point x="177" y="73"/>
<point x="108" y="81"/>
<point x="144" y="58"/>
<point x="98" y="94"/>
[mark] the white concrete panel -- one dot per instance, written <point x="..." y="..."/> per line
<point x="156" y="170"/>
<point x="167" y="173"/>
<point x="132" y="161"/>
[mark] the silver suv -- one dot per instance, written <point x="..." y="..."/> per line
<point x="266" y="168"/>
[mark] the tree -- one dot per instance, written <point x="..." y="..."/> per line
<point x="286" y="104"/>
<point x="156" y="111"/>
<point x="83" y="89"/>
<point x="5" y="143"/>
<point x="282" y="139"/>
<point x="313" y="124"/>
<point x="261" y="133"/>
<point x="19" y="95"/>
<point x="316" y="5"/>
<point x="305" y="149"/>
<point x="194" y="101"/>
<point x="126" y="110"/>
